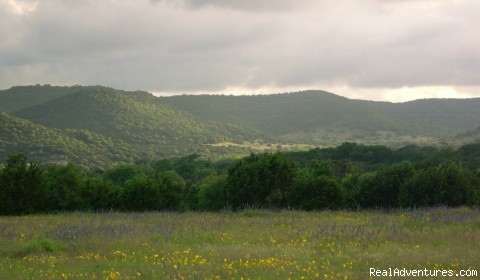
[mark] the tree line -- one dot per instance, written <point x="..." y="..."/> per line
<point x="350" y="176"/>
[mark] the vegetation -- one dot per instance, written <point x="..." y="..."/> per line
<point x="253" y="244"/>
<point x="100" y="127"/>
<point x="350" y="176"/>
<point x="322" y="118"/>
<point x="21" y="97"/>
<point x="51" y="145"/>
<point x="133" y="117"/>
<point x="113" y="155"/>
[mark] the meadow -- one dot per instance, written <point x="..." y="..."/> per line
<point x="249" y="244"/>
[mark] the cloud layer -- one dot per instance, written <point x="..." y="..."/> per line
<point x="370" y="46"/>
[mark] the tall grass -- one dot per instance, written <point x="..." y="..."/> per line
<point x="254" y="244"/>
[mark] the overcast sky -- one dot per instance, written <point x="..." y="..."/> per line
<point x="393" y="50"/>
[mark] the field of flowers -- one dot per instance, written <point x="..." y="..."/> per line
<point x="252" y="244"/>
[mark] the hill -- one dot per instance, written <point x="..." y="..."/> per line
<point x="471" y="136"/>
<point x="99" y="125"/>
<point x="137" y="118"/>
<point x="21" y="97"/>
<point x="149" y="127"/>
<point x="57" y="146"/>
<point x="438" y="117"/>
<point x="319" y="117"/>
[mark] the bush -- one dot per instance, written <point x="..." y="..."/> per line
<point x="312" y="192"/>
<point x="211" y="194"/>
<point x="39" y="245"/>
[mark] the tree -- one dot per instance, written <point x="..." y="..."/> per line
<point x="211" y="194"/>
<point x="312" y="191"/>
<point x="191" y="199"/>
<point x="172" y="191"/>
<point x="384" y="187"/>
<point x="121" y="173"/>
<point x="260" y="180"/>
<point x="22" y="186"/>
<point x="365" y="195"/>
<point x="447" y="183"/>
<point x="470" y="153"/>
<point x="141" y="193"/>
<point x="100" y="194"/>
<point x="351" y="184"/>
<point x="193" y="169"/>
<point x="65" y="187"/>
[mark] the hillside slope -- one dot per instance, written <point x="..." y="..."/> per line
<point x="99" y="125"/>
<point x="57" y="146"/>
<point x="21" y="97"/>
<point x="136" y="118"/>
<point x="438" y="117"/>
<point x="320" y="117"/>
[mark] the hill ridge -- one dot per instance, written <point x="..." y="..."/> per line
<point x="153" y="127"/>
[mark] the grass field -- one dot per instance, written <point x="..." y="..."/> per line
<point x="253" y="244"/>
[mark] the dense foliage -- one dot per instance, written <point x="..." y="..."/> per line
<point x="348" y="176"/>
<point x="100" y="126"/>
<point x="96" y="126"/>
<point x="320" y="117"/>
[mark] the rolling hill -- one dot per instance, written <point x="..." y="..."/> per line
<point x="21" y="97"/>
<point x="319" y="117"/>
<point x="136" y="118"/>
<point x="96" y="125"/>
<point x="149" y="127"/>
<point x="56" y="146"/>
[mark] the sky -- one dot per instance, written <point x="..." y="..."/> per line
<point x="389" y="50"/>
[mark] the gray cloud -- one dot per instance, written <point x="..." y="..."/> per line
<point x="210" y="45"/>
<point x="243" y="5"/>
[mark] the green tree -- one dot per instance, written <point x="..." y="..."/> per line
<point x="351" y="184"/>
<point x="470" y="153"/>
<point x="313" y="190"/>
<point x="382" y="189"/>
<point x="141" y="193"/>
<point x="366" y="185"/>
<point x="211" y="194"/>
<point x="65" y="187"/>
<point x="447" y="183"/>
<point x="100" y="194"/>
<point x="193" y="169"/>
<point x="22" y="186"/>
<point x="260" y="180"/>
<point x="172" y="189"/>
<point x="191" y="199"/>
<point x="121" y="173"/>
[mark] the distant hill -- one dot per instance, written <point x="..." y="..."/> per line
<point x="149" y="127"/>
<point x="471" y="136"/>
<point x="437" y="117"/>
<point x="98" y="126"/>
<point x="136" y="118"/>
<point x="56" y="146"/>
<point x="319" y="117"/>
<point x="281" y="114"/>
<point x="21" y="97"/>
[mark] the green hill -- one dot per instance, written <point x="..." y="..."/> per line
<point x="438" y="117"/>
<point x="471" y="136"/>
<point x="21" y="97"/>
<point x="150" y="127"/>
<point x="133" y="117"/>
<point x="319" y="117"/>
<point x="96" y="125"/>
<point x="57" y="146"/>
